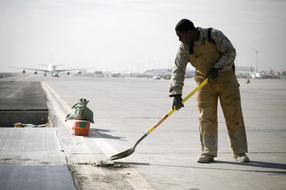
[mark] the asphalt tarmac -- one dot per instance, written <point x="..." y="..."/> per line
<point x="22" y="101"/>
<point x="124" y="109"/>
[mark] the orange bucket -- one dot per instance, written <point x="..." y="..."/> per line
<point x="80" y="127"/>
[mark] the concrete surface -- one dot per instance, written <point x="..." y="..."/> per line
<point x="35" y="177"/>
<point x="30" y="158"/>
<point x="125" y="108"/>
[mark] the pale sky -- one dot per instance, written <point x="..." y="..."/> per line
<point x="134" y="35"/>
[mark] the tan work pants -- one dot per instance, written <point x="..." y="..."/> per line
<point x="226" y="88"/>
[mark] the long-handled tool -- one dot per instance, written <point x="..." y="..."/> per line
<point x="130" y="151"/>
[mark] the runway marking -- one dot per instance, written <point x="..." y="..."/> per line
<point x="60" y="114"/>
<point x="136" y="180"/>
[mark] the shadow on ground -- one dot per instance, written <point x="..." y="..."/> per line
<point x="254" y="166"/>
<point x="259" y="164"/>
<point x="103" y="133"/>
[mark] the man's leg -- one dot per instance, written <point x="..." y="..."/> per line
<point x="207" y="104"/>
<point x="231" y="106"/>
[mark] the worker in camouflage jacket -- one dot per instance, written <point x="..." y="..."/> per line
<point x="212" y="55"/>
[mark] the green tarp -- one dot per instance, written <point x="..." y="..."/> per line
<point x="80" y="111"/>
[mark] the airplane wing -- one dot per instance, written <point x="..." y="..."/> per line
<point x="32" y="69"/>
<point x="64" y="70"/>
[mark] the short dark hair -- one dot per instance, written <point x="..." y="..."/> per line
<point x="184" y="25"/>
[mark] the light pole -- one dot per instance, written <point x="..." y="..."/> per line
<point x="256" y="56"/>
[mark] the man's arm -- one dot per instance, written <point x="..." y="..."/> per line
<point x="225" y="47"/>
<point x="178" y="73"/>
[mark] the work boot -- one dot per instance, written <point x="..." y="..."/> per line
<point x="241" y="158"/>
<point x="205" y="158"/>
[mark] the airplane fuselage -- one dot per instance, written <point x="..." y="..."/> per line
<point x="53" y="70"/>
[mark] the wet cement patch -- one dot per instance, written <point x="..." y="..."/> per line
<point x="105" y="164"/>
<point x="36" y="177"/>
<point x="100" y="177"/>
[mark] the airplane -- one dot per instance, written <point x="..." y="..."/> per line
<point x="52" y="69"/>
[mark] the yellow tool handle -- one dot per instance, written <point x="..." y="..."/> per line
<point x="186" y="98"/>
<point x="201" y="85"/>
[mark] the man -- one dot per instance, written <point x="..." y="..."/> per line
<point x="212" y="54"/>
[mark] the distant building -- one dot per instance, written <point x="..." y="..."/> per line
<point x="243" y="72"/>
<point x="98" y="74"/>
<point x="166" y="73"/>
<point x="159" y="73"/>
<point x="283" y="75"/>
<point x="117" y="75"/>
<point x="138" y="75"/>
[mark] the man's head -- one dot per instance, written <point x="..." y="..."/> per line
<point x="186" y="31"/>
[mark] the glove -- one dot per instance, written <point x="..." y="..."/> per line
<point x="213" y="73"/>
<point x="177" y="102"/>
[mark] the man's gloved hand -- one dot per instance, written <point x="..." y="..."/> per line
<point x="177" y="102"/>
<point x="213" y="73"/>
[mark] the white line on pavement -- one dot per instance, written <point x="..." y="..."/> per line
<point x="136" y="180"/>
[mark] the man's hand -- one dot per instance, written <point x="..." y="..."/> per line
<point x="213" y="73"/>
<point x="177" y="102"/>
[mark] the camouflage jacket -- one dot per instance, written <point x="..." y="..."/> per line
<point x="224" y="47"/>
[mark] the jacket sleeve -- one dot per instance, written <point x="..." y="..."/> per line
<point x="178" y="73"/>
<point x="225" y="47"/>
